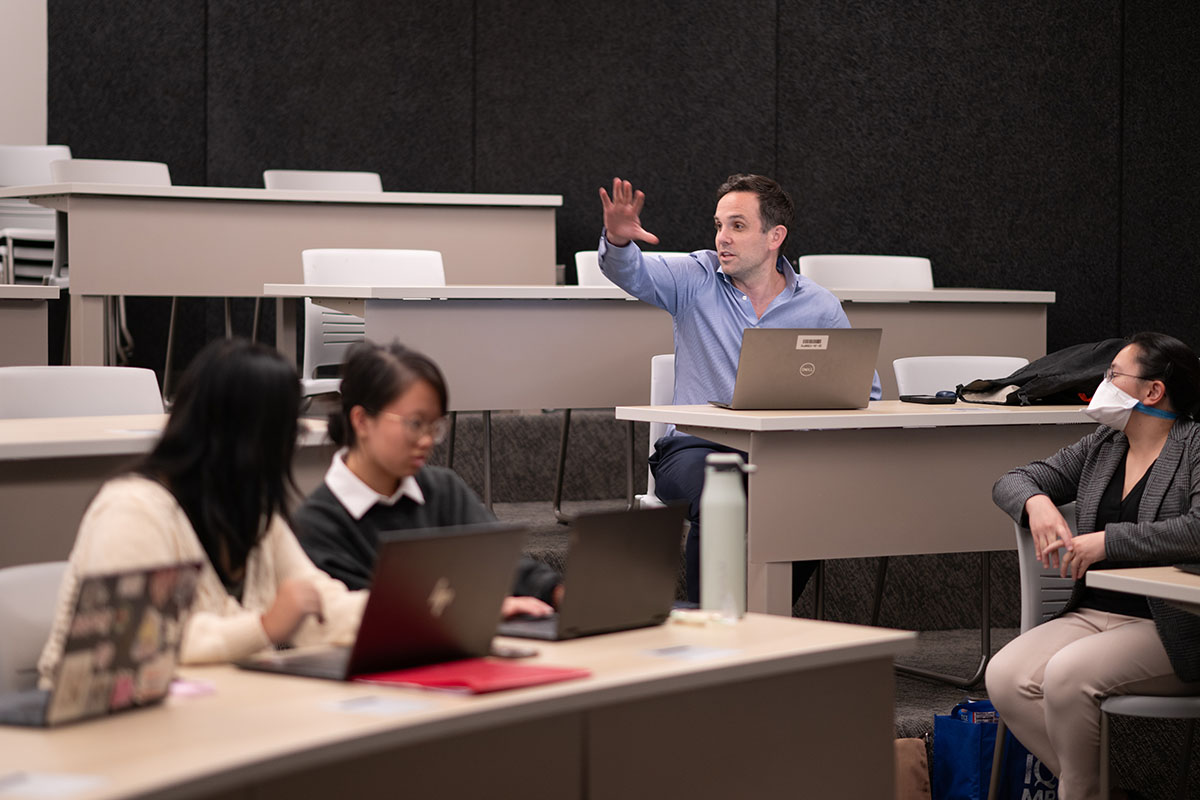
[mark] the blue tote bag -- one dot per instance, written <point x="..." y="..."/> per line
<point x="963" y="743"/>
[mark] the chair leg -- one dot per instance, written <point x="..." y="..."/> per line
<point x="166" y="384"/>
<point x="997" y="759"/>
<point x="487" y="459"/>
<point x="124" y="337"/>
<point x="256" y="319"/>
<point x="228" y="304"/>
<point x="819" y="591"/>
<point x="1185" y="762"/>
<point x="631" y="466"/>
<point x="561" y="469"/>
<point x="985" y="635"/>
<point x="880" y="580"/>
<point x="1104" y="742"/>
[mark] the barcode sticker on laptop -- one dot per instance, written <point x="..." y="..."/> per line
<point x="807" y="341"/>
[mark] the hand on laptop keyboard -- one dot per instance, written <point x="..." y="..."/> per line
<point x="529" y="607"/>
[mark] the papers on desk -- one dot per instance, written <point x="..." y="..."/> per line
<point x="691" y="652"/>
<point x="378" y="706"/>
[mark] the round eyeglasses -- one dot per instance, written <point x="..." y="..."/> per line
<point x="418" y="427"/>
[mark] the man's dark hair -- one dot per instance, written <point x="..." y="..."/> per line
<point x="775" y="206"/>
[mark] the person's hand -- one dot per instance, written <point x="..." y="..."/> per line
<point x="295" y="600"/>
<point x="621" y="221"/>
<point x="530" y="606"/>
<point x="1047" y="525"/>
<point x="1082" y="551"/>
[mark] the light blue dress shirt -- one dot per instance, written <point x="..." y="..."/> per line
<point x="710" y="313"/>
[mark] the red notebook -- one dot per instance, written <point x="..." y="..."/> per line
<point x="476" y="675"/>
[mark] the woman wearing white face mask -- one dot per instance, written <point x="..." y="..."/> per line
<point x="1136" y="483"/>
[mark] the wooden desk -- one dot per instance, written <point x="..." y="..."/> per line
<point x="949" y="322"/>
<point x="1181" y="589"/>
<point x="893" y="479"/>
<point x="195" y="241"/>
<point x="775" y="704"/>
<point x="515" y="347"/>
<point x="51" y="468"/>
<point x="24" y="335"/>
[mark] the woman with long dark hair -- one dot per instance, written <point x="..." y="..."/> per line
<point x="392" y="413"/>
<point x="1136" y="486"/>
<point x="214" y="489"/>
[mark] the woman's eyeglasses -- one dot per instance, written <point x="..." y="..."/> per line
<point x="418" y="427"/>
<point x="1111" y="373"/>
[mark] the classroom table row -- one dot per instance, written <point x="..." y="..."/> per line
<point x="188" y="241"/>
<point x="753" y="709"/>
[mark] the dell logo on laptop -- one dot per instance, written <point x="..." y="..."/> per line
<point x="441" y="597"/>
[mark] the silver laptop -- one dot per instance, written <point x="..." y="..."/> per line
<point x="120" y="650"/>
<point x="435" y="596"/>
<point x="621" y="571"/>
<point x="804" y="368"/>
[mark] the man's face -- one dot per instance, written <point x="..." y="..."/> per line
<point x="741" y="243"/>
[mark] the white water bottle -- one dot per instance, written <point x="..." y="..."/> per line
<point x="723" y="536"/>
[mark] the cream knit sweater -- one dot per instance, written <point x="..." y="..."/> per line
<point x="134" y="522"/>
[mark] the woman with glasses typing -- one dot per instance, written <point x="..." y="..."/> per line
<point x="392" y="413"/>
<point x="1136" y="485"/>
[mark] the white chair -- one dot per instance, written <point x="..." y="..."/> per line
<point x="587" y="266"/>
<point x="931" y="374"/>
<point x="1044" y="593"/>
<point x="662" y="392"/>
<point x="328" y="333"/>
<point x="28" y="602"/>
<point x="928" y="375"/>
<point x="76" y="391"/>
<point x="26" y="230"/>
<point x="868" y="272"/>
<point x="322" y="180"/>
<point x="94" y="170"/>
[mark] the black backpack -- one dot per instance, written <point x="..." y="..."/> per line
<point x="1063" y="377"/>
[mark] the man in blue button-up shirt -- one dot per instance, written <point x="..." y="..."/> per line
<point x="713" y="295"/>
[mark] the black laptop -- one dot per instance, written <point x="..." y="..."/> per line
<point x="435" y="596"/>
<point x="622" y="567"/>
<point x="120" y="650"/>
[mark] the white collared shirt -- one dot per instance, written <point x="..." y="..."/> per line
<point x="356" y="496"/>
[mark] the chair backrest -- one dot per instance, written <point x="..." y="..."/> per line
<point x="1043" y="591"/>
<point x="868" y="272"/>
<point x="29" y="165"/>
<point x="323" y="180"/>
<point x="662" y="392"/>
<point x="328" y="333"/>
<point x="28" y="602"/>
<point x="103" y="170"/>
<point x="929" y="374"/>
<point x="75" y="391"/>
<point x="587" y="266"/>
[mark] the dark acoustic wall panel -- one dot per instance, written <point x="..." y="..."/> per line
<point x="1160" y="247"/>
<point x="126" y="81"/>
<point x="302" y="84"/>
<point x="670" y="95"/>
<point x="984" y="136"/>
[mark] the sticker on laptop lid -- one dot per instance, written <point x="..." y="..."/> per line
<point x="809" y="341"/>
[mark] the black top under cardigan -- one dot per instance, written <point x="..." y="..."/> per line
<point x="347" y="548"/>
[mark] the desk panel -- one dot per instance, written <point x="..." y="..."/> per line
<point x="528" y="354"/>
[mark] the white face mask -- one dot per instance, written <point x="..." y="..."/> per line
<point x="1112" y="407"/>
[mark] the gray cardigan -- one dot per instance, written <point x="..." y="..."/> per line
<point x="1168" y="527"/>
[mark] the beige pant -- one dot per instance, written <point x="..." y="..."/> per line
<point x="1047" y="685"/>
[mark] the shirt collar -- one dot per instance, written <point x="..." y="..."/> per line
<point x="356" y="496"/>
<point x="782" y="266"/>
